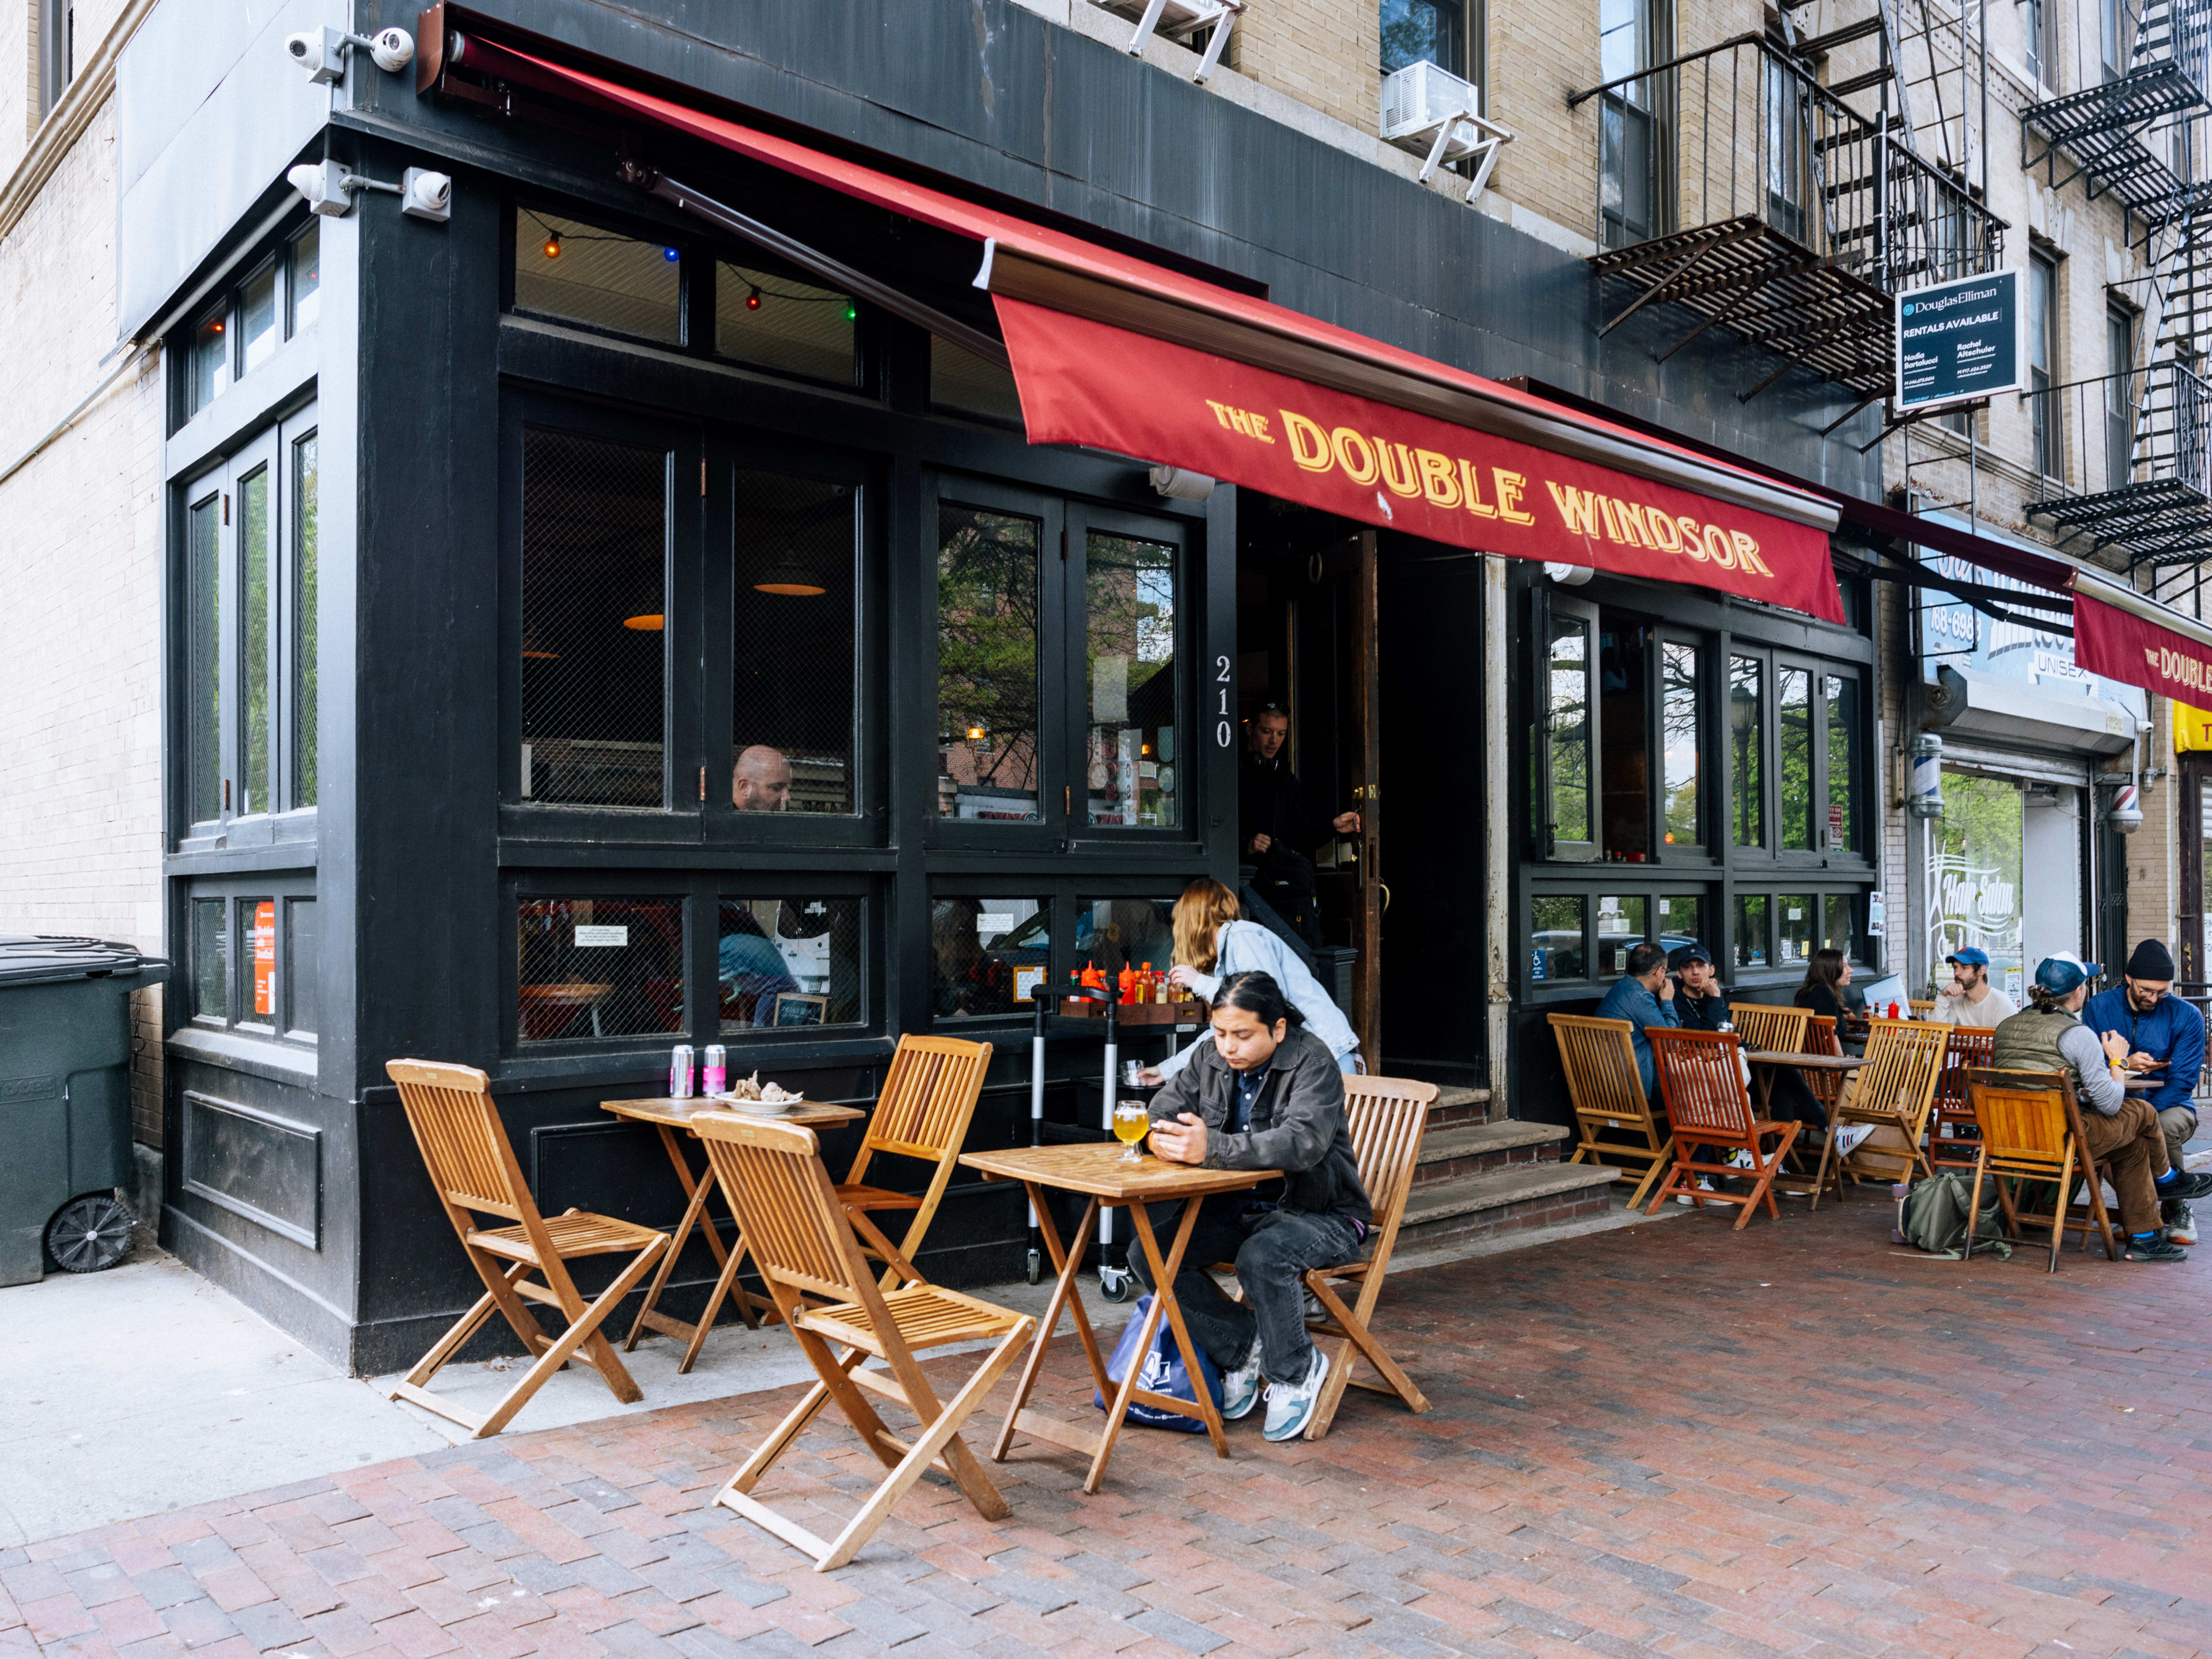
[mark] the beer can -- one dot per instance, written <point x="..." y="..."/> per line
<point x="679" y="1072"/>
<point x="718" y="1069"/>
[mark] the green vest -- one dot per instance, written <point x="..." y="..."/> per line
<point x="2028" y="1041"/>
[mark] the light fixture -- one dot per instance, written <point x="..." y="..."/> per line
<point x="649" y="621"/>
<point x="753" y="299"/>
<point x="789" y="577"/>
<point x="553" y="245"/>
<point x="974" y="735"/>
<point x="671" y="255"/>
<point x="533" y="648"/>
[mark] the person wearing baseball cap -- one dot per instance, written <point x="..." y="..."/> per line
<point x="2122" y="1133"/>
<point x="1971" y="998"/>
<point x="2166" y="1044"/>
<point x="1698" y="1004"/>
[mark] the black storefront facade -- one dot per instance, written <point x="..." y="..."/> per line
<point x="517" y="560"/>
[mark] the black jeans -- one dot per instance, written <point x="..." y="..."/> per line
<point x="1271" y="1249"/>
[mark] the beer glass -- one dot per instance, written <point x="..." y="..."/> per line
<point x="1132" y="1121"/>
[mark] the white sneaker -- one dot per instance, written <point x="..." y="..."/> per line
<point x="1703" y="1186"/>
<point x="1739" y="1159"/>
<point x="1240" y="1388"/>
<point x="2181" y="1224"/>
<point x="1290" y="1405"/>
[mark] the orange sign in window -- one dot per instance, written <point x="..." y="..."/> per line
<point x="264" y="958"/>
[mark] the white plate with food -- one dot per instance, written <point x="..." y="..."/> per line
<point x="751" y="1095"/>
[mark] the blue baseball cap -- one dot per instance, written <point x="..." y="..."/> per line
<point x="1969" y="956"/>
<point x="2060" y="973"/>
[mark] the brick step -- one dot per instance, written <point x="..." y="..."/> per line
<point x="1453" y="1107"/>
<point x="1501" y="1200"/>
<point x="1470" y="1148"/>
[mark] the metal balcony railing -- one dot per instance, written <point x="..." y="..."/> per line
<point x="1732" y="184"/>
<point x="2124" y="462"/>
<point x="2122" y="136"/>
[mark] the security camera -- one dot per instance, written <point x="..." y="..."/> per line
<point x="393" y="50"/>
<point x="321" y="53"/>
<point x="426" y="195"/>
<point x="327" y="185"/>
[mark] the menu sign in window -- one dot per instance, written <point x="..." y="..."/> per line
<point x="265" y="959"/>
<point x="1960" y="341"/>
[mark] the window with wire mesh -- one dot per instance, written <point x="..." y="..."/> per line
<point x="788" y="961"/>
<point x="794" y="667"/>
<point x="600" y="968"/>
<point x="1130" y="609"/>
<point x="1111" y="933"/>
<point x="567" y="268"/>
<point x="987" y="956"/>
<point x="964" y="384"/>
<point x="779" y="323"/>
<point x="594" y="577"/>
<point x="988" y="694"/>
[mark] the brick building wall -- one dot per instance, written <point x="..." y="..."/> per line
<point x="80" y="635"/>
<point x="1328" y="54"/>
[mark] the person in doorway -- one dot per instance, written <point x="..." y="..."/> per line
<point x="2123" y="1131"/>
<point x="1970" y="999"/>
<point x="1279" y="829"/>
<point x="1212" y="941"/>
<point x="1263" y="1094"/>
<point x="1698" y="1004"/>
<point x="760" y="782"/>
<point x="1643" y="996"/>
<point x="2166" y="1044"/>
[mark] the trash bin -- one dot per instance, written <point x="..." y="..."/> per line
<point x="65" y="1101"/>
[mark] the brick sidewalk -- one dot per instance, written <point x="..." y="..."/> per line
<point x="1638" y="1446"/>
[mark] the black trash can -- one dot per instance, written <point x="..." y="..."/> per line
<point x="65" y="1101"/>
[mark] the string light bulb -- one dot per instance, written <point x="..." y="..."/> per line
<point x="553" y="245"/>
<point x="753" y="299"/>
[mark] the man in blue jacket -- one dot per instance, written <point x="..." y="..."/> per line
<point x="2165" y="1041"/>
<point x="1644" y="996"/>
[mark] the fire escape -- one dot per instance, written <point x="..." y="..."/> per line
<point x="1737" y="190"/>
<point x="2123" y="456"/>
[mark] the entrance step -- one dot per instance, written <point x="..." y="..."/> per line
<point x="1453" y="1107"/>
<point x="1470" y="1148"/>
<point x="1503" y="1199"/>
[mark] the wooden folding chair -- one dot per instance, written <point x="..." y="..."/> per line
<point x="1617" y="1125"/>
<point x="928" y="1097"/>
<point x="473" y="1169"/>
<point x="2031" y="1125"/>
<point x="1895" y="1090"/>
<point x="1922" y="1008"/>
<point x="1951" y="1129"/>
<point x="804" y="1245"/>
<point x="1387" y="1116"/>
<point x="1701" y="1079"/>
<point x="1769" y="1026"/>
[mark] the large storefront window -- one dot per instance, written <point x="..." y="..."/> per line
<point x="1683" y="731"/>
<point x="989" y="675"/>
<point x="1131" y="602"/>
<point x="788" y="961"/>
<point x="1975" y="874"/>
<point x="1747" y="751"/>
<point x="1562" y="785"/>
<point x="600" y="968"/>
<point x="794" y="668"/>
<point x="987" y="955"/>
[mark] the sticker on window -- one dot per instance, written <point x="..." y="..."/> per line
<point x="588" y="934"/>
<point x="1795" y="915"/>
<point x="264" y="958"/>
<point x="1026" y="980"/>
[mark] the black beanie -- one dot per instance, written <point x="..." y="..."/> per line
<point x="2151" y="960"/>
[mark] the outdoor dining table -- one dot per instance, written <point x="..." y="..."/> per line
<point x="672" y="1118"/>
<point x="1099" y="1172"/>
<point x="1763" y="1061"/>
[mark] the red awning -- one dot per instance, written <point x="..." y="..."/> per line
<point x="1116" y="352"/>
<point x="2130" y="637"/>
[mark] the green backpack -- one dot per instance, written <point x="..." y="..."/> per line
<point x="1932" y="1216"/>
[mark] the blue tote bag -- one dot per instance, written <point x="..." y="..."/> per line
<point x="1163" y="1372"/>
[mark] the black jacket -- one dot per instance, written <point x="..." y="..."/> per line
<point x="1707" y="1013"/>
<point x="1297" y="1123"/>
<point x="1271" y="802"/>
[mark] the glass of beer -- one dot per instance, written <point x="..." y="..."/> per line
<point x="1132" y="1121"/>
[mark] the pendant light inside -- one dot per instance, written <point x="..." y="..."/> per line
<point x="791" y="579"/>
<point x="650" y="622"/>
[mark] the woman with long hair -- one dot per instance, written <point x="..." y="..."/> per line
<point x="1825" y="976"/>
<point x="1212" y="941"/>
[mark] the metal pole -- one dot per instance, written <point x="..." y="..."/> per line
<point x="1043" y="997"/>
<point x="1112" y="1282"/>
<point x="1498" y="829"/>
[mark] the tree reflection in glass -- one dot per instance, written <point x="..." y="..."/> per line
<point x="1795" y="687"/>
<point x="1747" y="750"/>
<point x="1567" y="698"/>
<point x="987" y="676"/>
<point x="1129" y="646"/>
<point x="1680" y="703"/>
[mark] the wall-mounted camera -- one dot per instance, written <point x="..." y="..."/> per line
<point x="328" y="187"/>
<point x="323" y="52"/>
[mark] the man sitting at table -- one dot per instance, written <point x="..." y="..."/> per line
<point x="1971" y="1000"/>
<point x="2120" y="1132"/>
<point x="1643" y="996"/>
<point x="2166" y="1045"/>
<point x="1264" y="1094"/>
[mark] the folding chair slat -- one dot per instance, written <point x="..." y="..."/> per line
<point x="2031" y="1130"/>
<point x="1895" y="1089"/>
<point x="1613" y="1119"/>
<point x="1701" y="1078"/>
<point x="1768" y="1026"/>
<point x="923" y="1111"/>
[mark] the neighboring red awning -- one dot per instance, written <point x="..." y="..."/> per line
<point x="1116" y="352"/>
<point x="2130" y="637"/>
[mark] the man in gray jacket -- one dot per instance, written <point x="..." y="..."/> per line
<point x="1264" y="1094"/>
<point x="2121" y="1132"/>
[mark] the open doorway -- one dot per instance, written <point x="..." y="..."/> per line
<point x="1369" y="644"/>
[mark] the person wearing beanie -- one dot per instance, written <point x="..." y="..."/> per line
<point x="2166" y="1043"/>
<point x="2119" y="1131"/>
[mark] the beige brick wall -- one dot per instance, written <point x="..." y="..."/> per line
<point x="80" y="699"/>
<point x="1328" y="54"/>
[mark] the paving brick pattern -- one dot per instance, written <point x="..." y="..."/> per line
<point x="1659" y="1440"/>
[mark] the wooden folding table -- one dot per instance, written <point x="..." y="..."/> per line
<point x="672" y="1118"/>
<point x="1099" y="1172"/>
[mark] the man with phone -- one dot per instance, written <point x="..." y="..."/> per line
<point x="2164" y="1038"/>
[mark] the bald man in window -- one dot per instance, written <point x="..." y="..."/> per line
<point x="761" y="782"/>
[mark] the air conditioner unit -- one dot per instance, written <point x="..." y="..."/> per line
<point x="1178" y="19"/>
<point x="1435" y="114"/>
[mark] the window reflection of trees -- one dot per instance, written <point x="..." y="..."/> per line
<point x="1678" y="708"/>
<point x="1795" y="783"/>
<point x="1567" y="715"/>
<point x="988" y="629"/>
<point x="1747" y="713"/>
<point x="1130" y="667"/>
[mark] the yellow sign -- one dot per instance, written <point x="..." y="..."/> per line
<point x="2192" y="730"/>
